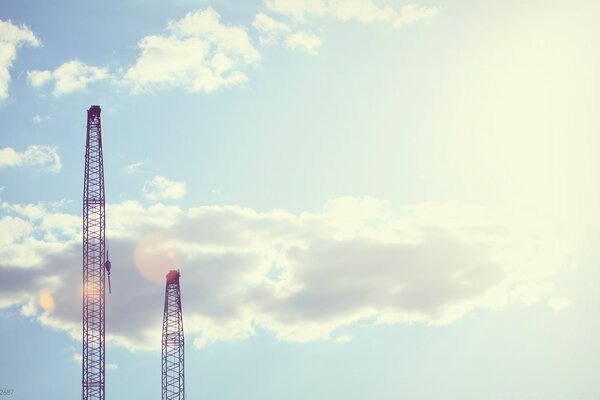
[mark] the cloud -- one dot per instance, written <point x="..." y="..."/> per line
<point x="305" y="41"/>
<point x="161" y="188"/>
<point x="29" y="233"/>
<point x="299" y="9"/>
<point x="133" y="168"/>
<point x="363" y="11"/>
<point x="37" y="155"/>
<point x="69" y="77"/>
<point x="343" y="339"/>
<point x="78" y="358"/>
<point x="38" y="78"/>
<point x="38" y="119"/>
<point x="11" y="38"/>
<point x="301" y="276"/>
<point x="198" y="53"/>
<point x="412" y="13"/>
<point x="559" y="303"/>
<point x="270" y="29"/>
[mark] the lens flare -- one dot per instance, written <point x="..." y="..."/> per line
<point x="46" y="300"/>
<point x="154" y="257"/>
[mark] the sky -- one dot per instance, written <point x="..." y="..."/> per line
<point x="367" y="199"/>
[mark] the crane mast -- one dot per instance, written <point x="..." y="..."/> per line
<point x="94" y="262"/>
<point x="173" y="378"/>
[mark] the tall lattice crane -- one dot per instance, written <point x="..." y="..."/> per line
<point x="95" y="263"/>
<point x="173" y="378"/>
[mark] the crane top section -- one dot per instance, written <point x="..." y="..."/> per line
<point x="173" y="276"/>
<point x="94" y="110"/>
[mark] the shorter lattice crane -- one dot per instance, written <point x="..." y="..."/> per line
<point x="173" y="378"/>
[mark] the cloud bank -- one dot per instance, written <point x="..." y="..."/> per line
<point x="301" y="276"/>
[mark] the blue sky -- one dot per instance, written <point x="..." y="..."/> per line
<point x="366" y="198"/>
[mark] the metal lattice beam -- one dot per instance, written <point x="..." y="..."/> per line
<point x="173" y="378"/>
<point x="94" y="224"/>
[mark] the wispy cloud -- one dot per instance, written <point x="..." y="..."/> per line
<point x="11" y="38"/>
<point x="38" y="119"/>
<point x="161" y="188"/>
<point x="343" y="339"/>
<point x="78" y="358"/>
<point x="39" y="155"/>
<point x="363" y="11"/>
<point x="273" y="31"/>
<point x="298" y="9"/>
<point x="412" y="13"/>
<point x="133" y="168"/>
<point x="69" y="77"/>
<point x="112" y="366"/>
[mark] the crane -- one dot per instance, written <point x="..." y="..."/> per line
<point x="173" y="377"/>
<point x="95" y="263"/>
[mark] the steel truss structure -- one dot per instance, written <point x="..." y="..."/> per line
<point x="94" y="225"/>
<point x="173" y="378"/>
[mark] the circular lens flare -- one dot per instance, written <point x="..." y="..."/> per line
<point x="46" y="300"/>
<point x="155" y="257"/>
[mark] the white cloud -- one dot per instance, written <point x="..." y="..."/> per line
<point x="38" y="119"/>
<point x="161" y="188"/>
<point x="302" y="276"/>
<point x="38" y="155"/>
<point x="31" y="232"/>
<point x="343" y="339"/>
<point x="38" y="78"/>
<point x="29" y="211"/>
<point x="270" y="29"/>
<point x="133" y="168"/>
<point x="11" y="38"/>
<point x="69" y="77"/>
<point x="78" y="358"/>
<point x="412" y="13"/>
<point x="13" y="229"/>
<point x="559" y="303"/>
<point x="299" y="9"/>
<point x="364" y="11"/>
<point x="304" y="41"/>
<point x="199" y="54"/>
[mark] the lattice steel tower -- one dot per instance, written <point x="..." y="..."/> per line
<point x="95" y="263"/>
<point x="173" y="378"/>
